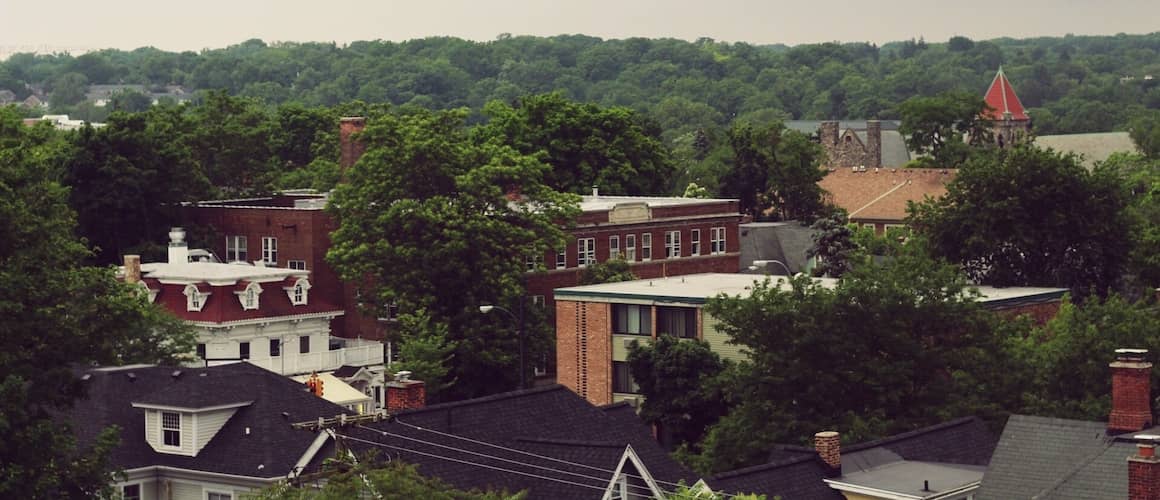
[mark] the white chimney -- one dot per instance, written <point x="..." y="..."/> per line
<point x="178" y="250"/>
<point x="595" y="191"/>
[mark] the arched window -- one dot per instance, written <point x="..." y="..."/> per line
<point x="249" y="296"/>
<point x="299" y="292"/>
<point x="194" y="298"/>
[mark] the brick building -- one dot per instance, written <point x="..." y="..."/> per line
<point x="595" y="324"/>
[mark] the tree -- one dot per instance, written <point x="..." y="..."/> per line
<point x="229" y="138"/>
<point x="425" y="351"/>
<point x="937" y="126"/>
<point x="676" y="378"/>
<point x="1142" y="183"/>
<point x="586" y="145"/>
<point x="58" y="315"/>
<point x="1031" y="217"/>
<point x="130" y="101"/>
<point x="425" y="221"/>
<point x="833" y="246"/>
<point x="890" y="347"/>
<point x="609" y="271"/>
<point x="1145" y="132"/>
<point x="774" y="169"/>
<point x="393" y="480"/>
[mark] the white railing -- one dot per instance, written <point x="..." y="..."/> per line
<point x="356" y="353"/>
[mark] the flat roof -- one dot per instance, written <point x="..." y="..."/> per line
<point x="215" y="272"/>
<point x="590" y="203"/>
<point x="916" y="480"/>
<point x="696" y="288"/>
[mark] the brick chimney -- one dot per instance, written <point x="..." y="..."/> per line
<point x="829" y="447"/>
<point x="1131" y="392"/>
<point x="873" y="143"/>
<point x="351" y="148"/>
<point x="132" y="269"/>
<point x="1144" y="470"/>
<point x="405" y="394"/>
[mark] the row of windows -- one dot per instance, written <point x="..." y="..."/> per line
<point x="632" y="319"/>
<point x="195" y="298"/>
<point x="586" y="248"/>
<point x="237" y="250"/>
<point x="275" y="348"/>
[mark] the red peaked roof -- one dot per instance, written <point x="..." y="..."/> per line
<point x="1002" y="99"/>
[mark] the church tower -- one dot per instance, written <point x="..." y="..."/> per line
<point x="1008" y="119"/>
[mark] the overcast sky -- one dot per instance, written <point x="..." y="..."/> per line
<point x="194" y="25"/>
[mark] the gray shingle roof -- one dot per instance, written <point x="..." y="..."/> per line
<point x="270" y="443"/>
<point x="1051" y="458"/>
<point x="550" y="422"/>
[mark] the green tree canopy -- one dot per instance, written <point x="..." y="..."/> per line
<point x="937" y="125"/>
<point x="774" y="169"/>
<point x="1031" y="217"/>
<point x="676" y="378"/>
<point x="426" y="223"/>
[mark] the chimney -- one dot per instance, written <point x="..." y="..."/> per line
<point x="1131" y="392"/>
<point x="132" y="269"/>
<point x="1144" y="470"/>
<point x="828" y="134"/>
<point x="351" y="149"/>
<point x="874" y="143"/>
<point x="178" y="250"/>
<point x="829" y="447"/>
<point x="405" y="394"/>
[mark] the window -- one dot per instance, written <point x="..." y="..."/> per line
<point x="244" y="350"/>
<point x="194" y="298"/>
<point x="200" y="351"/>
<point x="585" y="251"/>
<point x="131" y="492"/>
<point x="562" y="259"/>
<point x="695" y="241"/>
<point x="538" y="300"/>
<point x="622" y="379"/>
<point x="275" y="348"/>
<point x="299" y="293"/>
<point x="677" y="321"/>
<point x="631" y="319"/>
<point x="672" y="244"/>
<point x="236" y="249"/>
<point x="534" y="261"/>
<point x="646" y="246"/>
<point x="171" y="429"/>
<point x="613" y="247"/>
<point x="619" y="489"/>
<point x="249" y="297"/>
<point x="218" y="495"/>
<point x="717" y="240"/>
<point x="304" y="344"/>
<point x="299" y="265"/>
<point x="270" y="251"/>
<point x="630" y="247"/>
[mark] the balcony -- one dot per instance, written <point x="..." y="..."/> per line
<point x="356" y="352"/>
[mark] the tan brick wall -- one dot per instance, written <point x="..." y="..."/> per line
<point x="584" y="349"/>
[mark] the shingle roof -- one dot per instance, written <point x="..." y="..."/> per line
<point x="882" y="195"/>
<point x="1052" y="458"/>
<point x="549" y="422"/>
<point x="1092" y="148"/>
<point x="271" y="443"/>
<point x="965" y="441"/>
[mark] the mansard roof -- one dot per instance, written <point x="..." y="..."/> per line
<point x="1002" y="99"/>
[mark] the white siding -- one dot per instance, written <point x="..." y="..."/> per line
<point x="620" y="345"/>
<point x="186" y="491"/>
<point x="151" y="428"/>
<point x="187" y="437"/>
<point x="718" y="340"/>
<point x="208" y="425"/>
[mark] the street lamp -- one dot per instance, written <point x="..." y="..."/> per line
<point x="765" y="264"/>
<point x="487" y="308"/>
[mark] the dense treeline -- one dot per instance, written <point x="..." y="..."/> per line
<point x="1071" y="84"/>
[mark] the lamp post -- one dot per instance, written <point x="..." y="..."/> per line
<point x="487" y="308"/>
<point x="765" y="264"/>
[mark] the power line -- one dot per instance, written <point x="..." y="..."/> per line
<point x="516" y="462"/>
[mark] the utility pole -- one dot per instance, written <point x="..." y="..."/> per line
<point x="329" y="425"/>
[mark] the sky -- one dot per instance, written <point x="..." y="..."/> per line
<point x="77" y="26"/>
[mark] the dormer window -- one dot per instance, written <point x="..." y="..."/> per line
<point x="299" y="292"/>
<point x="145" y="292"/>
<point x="194" y="298"/>
<point x="249" y="296"/>
<point x="171" y="429"/>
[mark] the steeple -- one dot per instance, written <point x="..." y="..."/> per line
<point x="1003" y="101"/>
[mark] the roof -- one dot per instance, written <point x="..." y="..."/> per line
<point x="216" y="273"/>
<point x="1092" y="148"/>
<point x="269" y="449"/>
<point x="798" y="473"/>
<point x="697" y="288"/>
<point x="603" y="203"/>
<point x="335" y="390"/>
<point x="1054" y="458"/>
<point x="551" y="422"/>
<point x="811" y="126"/>
<point x="914" y="479"/>
<point x="883" y="194"/>
<point x="1001" y="98"/>
<point x="786" y="242"/>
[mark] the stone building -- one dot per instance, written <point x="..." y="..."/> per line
<point x="847" y="148"/>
